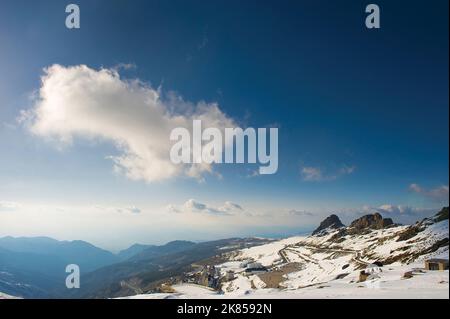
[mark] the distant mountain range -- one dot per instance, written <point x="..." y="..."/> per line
<point x="35" y="267"/>
<point x="84" y="254"/>
<point x="133" y="250"/>
<point x="144" y="271"/>
<point x="141" y="252"/>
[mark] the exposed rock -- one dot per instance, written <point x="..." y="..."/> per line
<point x="375" y="221"/>
<point x="408" y="275"/>
<point x="418" y="227"/>
<point x="331" y="222"/>
<point x="363" y="276"/>
<point x="338" y="237"/>
<point x="411" y="231"/>
<point x="442" y="215"/>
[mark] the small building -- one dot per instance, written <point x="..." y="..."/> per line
<point x="244" y="263"/>
<point x="373" y="269"/>
<point x="209" y="276"/>
<point x="254" y="265"/>
<point x="253" y="268"/>
<point x="436" y="264"/>
<point x="365" y="276"/>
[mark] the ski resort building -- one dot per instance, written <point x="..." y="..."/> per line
<point x="436" y="264"/>
<point x="253" y="268"/>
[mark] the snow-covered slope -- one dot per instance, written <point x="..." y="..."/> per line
<point x="389" y="285"/>
<point x="6" y="296"/>
<point x="340" y="255"/>
<point x="329" y="264"/>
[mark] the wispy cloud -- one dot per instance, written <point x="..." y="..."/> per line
<point x="316" y="174"/>
<point x="122" y="210"/>
<point x="440" y="193"/>
<point x="404" y="214"/>
<point x="301" y="213"/>
<point x="312" y="174"/>
<point x="9" y="126"/>
<point x="124" y="66"/>
<point x="193" y="206"/>
<point x="9" y="206"/>
<point x="402" y="210"/>
<point x="133" y="210"/>
<point x="253" y="173"/>
<point x="203" y="43"/>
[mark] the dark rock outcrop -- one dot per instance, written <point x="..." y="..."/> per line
<point x="418" y="227"/>
<point x="411" y="232"/>
<point x="374" y="221"/>
<point x="442" y="215"/>
<point x="331" y="222"/>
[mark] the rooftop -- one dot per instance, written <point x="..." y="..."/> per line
<point x="437" y="260"/>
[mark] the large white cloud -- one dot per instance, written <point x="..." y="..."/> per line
<point x="79" y="101"/>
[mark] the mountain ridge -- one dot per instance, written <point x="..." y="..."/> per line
<point x="369" y="238"/>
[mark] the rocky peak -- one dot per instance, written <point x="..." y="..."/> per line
<point x="372" y="221"/>
<point x="331" y="222"/>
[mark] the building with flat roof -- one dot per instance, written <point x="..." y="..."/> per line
<point x="436" y="264"/>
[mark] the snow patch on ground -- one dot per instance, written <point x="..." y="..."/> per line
<point x="329" y="267"/>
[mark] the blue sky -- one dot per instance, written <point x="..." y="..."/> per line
<point x="362" y="114"/>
